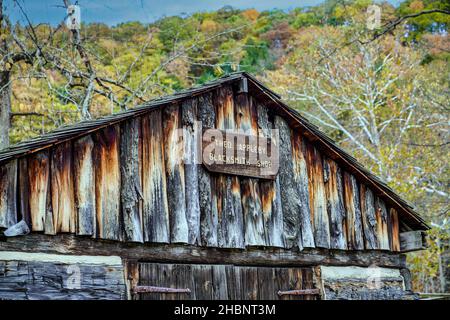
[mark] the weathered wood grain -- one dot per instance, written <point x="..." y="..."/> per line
<point x="299" y="152"/>
<point x="335" y="204"/>
<point x="192" y="152"/>
<point x="355" y="239"/>
<point x="62" y="191"/>
<point x="227" y="190"/>
<point x="8" y="192"/>
<point x="154" y="188"/>
<point x="39" y="180"/>
<point x="107" y="182"/>
<point x="35" y="280"/>
<point x="208" y="204"/>
<point x="270" y="190"/>
<point x="395" y="230"/>
<point x="368" y="217"/>
<point x="23" y="190"/>
<point x="84" y="185"/>
<point x="290" y="199"/>
<point x="381" y="215"/>
<point x="413" y="241"/>
<point x="173" y="156"/>
<point x="247" y="123"/>
<point x="317" y="198"/>
<point x="130" y="187"/>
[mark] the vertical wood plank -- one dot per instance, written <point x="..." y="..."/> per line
<point x="84" y="185"/>
<point x="154" y="189"/>
<point x="290" y="199"/>
<point x="368" y="217"/>
<point x="107" y="182"/>
<point x="173" y="156"/>
<point x="192" y="147"/>
<point x="317" y="198"/>
<point x="24" y="191"/>
<point x="382" y="224"/>
<point x="299" y="150"/>
<point x="335" y="204"/>
<point x="270" y="190"/>
<point x="208" y="205"/>
<point x="38" y="177"/>
<point x="62" y="191"/>
<point x="395" y="230"/>
<point x="246" y="122"/>
<point x="130" y="187"/>
<point x="8" y="190"/>
<point x="203" y="282"/>
<point x="219" y="282"/>
<point x="227" y="191"/>
<point x="355" y="239"/>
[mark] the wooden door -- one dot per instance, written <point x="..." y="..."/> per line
<point x="212" y="282"/>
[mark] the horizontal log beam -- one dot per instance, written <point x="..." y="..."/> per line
<point x="413" y="241"/>
<point x="69" y="244"/>
<point x="151" y="289"/>
<point x="304" y="292"/>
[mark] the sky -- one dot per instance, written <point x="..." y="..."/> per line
<point x="113" y="12"/>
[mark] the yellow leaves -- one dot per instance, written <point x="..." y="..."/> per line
<point x="250" y="14"/>
<point x="209" y="26"/>
<point x="416" y="5"/>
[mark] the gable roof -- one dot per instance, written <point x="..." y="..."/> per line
<point x="257" y="89"/>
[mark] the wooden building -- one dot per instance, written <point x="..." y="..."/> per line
<point x="108" y="209"/>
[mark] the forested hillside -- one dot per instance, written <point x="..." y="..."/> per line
<point x="382" y="94"/>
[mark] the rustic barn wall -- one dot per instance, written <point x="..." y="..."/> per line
<point x="131" y="182"/>
<point x="356" y="283"/>
<point x="36" y="276"/>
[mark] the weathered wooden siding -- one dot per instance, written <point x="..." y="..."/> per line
<point x="62" y="191"/>
<point x="140" y="181"/>
<point x="84" y="185"/>
<point x="317" y="198"/>
<point x="227" y="189"/>
<point x="8" y="188"/>
<point x="270" y="190"/>
<point x="154" y="188"/>
<point x="35" y="276"/>
<point x="107" y="182"/>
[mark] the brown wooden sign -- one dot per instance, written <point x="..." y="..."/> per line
<point x="231" y="152"/>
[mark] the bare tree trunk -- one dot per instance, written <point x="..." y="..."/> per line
<point x="5" y="108"/>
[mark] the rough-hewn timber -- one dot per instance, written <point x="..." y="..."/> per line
<point x="154" y="189"/>
<point x="131" y="191"/>
<point x="247" y="122"/>
<point x="84" y="185"/>
<point x="270" y="190"/>
<point x="69" y="244"/>
<point x="8" y="199"/>
<point x="107" y="182"/>
<point x="192" y="153"/>
<point x="173" y="156"/>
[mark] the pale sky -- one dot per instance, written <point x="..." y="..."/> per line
<point x="112" y="12"/>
